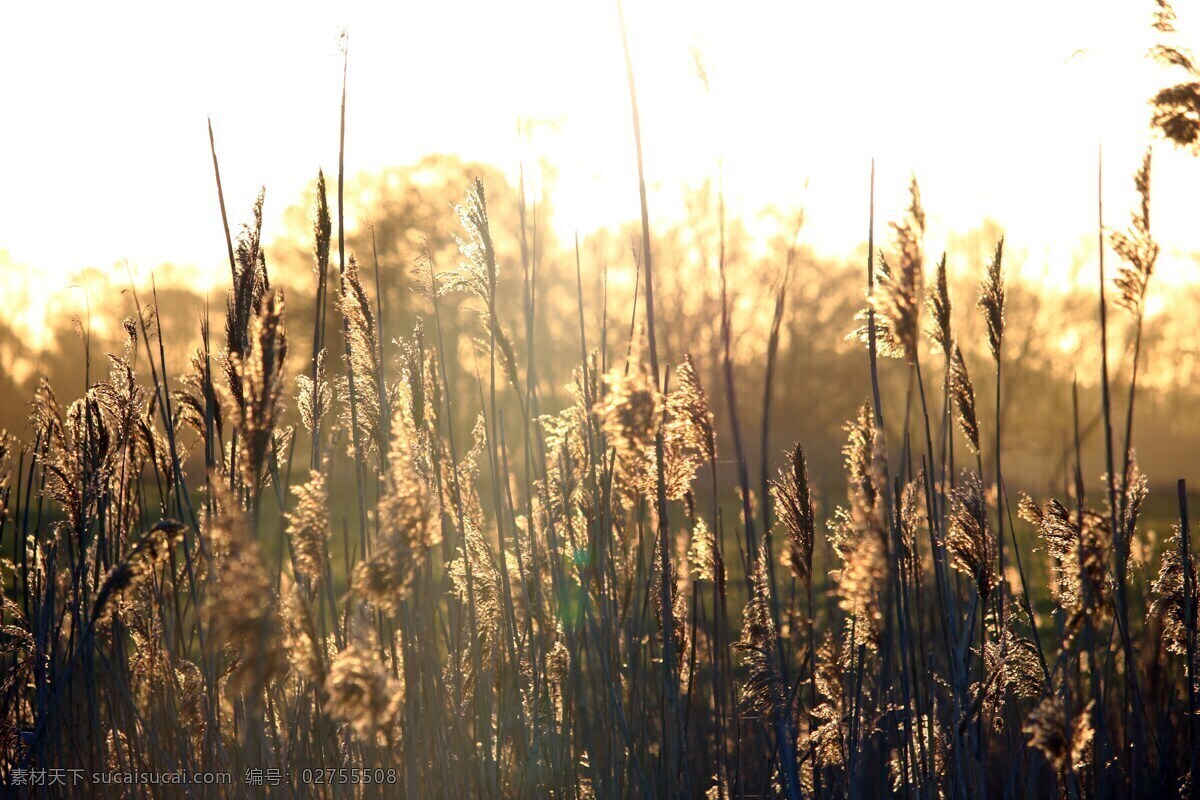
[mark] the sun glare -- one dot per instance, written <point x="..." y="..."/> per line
<point x="999" y="119"/>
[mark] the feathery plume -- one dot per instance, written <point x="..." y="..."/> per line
<point x="408" y="526"/>
<point x="258" y="374"/>
<point x="688" y="432"/>
<point x="250" y="283"/>
<point x="969" y="539"/>
<point x="897" y="299"/>
<point x="372" y="395"/>
<point x="322" y="227"/>
<point x="240" y="609"/>
<point x="938" y="303"/>
<point x="991" y="300"/>
<point x="1066" y="744"/>
<point x="314" y="397"/>
<point x="1168" y="594"/>
<point x="794" y="507"/>
<point x="148" y="551"/>
<point x="1069" y="539"/>
<point x="1138" y="251"/>
<point x="764" y="691"/>
<point x="309" y="527"/>
<point x="1177" y="107"/>
<point x="963" y="394"/>
<point x="702" y="552"/>
<point x="362" y="694"/>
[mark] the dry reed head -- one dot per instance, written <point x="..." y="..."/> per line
<point x="303" y="644"/>
<point x="1138" y="251"/>
<point x="864" y="459"/>
<point x="1135" y="488"/>
<point x="898" y="296"/>
<point x="794" y="506"/>
<point x="198" y="398"/>
<point x="147" y="552"/>
<point x="860" y="581"/>
<point x="360" y="693"/>
<point x="1169" y="603"/>
<point x="963" y="394"/>
<point x="858" y="535"/>
<point x="1079" y="547"/>
<point x="689" y="423"/>
<point x="363" y="366"/>
<point x="764" y="691"/>
<point x="829" y="729"/>
<point x="478" y="276"/>
<point x="250" y="283"/>
<point x="408" y="525"/>
<point x="1012" y="665"/>
<point x="1177" y="107"/>
<point x="309" y="528"/>
<point x="630" y="413"/>
<point x="7" y="444"/>
<point x="938" y="303"/>
<point x="969" y="538"/>
<point x="906" y="765"/>
<point x="314" y="397"/>
<point x="258" y="375"/>
<point x="476" y="584"/>
<point x="991" y="301"/>
<point x="79" y="454"/>
<point x="240" y="608"/>
<point x="567" y="448"/>
<point x="679" y="608"/>
<point x="417" y="376"/>
<point x="689" y="439"/>
<point x="1065" y="743"/>
<point x="912" y="520"/>
<point x="702" y="553"/>
<point x="322" y="226"/>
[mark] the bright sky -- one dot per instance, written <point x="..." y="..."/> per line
<point x="997" y="108"/>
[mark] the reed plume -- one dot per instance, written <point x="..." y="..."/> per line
<point x="1136" y="247"/>
<point x="858" y="535"/>
<point x="309" y="528"/>
<point x="898" y="297"/>
<point x="1176" y="107"/>
<point x="314" y="396"/>
<point x="991" y="300"/>
<point x="1176" y="580"/>
<point x="373" y="396"/>
<point x="408" y="525"/>
<point x="794" y="506"/>
<point x="361" y="694"/>
<point x="969" y="538"/>
<point x="937" y="301"/>
<point x="963" y="394"/>
<point x="240" y="610"/>
<point x="689" y="438"/>
<point x="764" y="690"/>
<point x="702" y="553"/>
<point x="1079" y="547"/>
<point x="256" y="382"/>
<point x="1065" y="742"/>
<point x="150" y="550"/>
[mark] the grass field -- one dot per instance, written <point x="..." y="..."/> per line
<point x="414" y="567"/>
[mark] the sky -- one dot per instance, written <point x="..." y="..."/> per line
<point x="998" y="109"/>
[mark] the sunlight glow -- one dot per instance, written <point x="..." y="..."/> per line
<point x="997" y="112"/>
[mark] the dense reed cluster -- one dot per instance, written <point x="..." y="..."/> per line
<point x="419" y="572"/>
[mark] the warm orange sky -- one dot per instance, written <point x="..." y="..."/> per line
<point x="997" y="108"/>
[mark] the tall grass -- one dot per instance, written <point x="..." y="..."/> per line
<point x="567" y="603"/>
